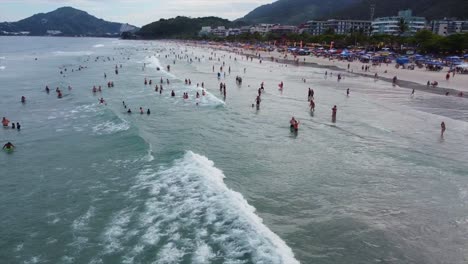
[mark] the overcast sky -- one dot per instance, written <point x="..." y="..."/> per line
<point x="136" y="12"/>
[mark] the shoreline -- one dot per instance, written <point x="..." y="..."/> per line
<point x="402" y="81"/>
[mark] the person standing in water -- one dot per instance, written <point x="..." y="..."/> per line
<point x="334" y="109"/>
<point x="442" y="129"/>
<point x="312" y="105"/>
<point x="347" y="92"/>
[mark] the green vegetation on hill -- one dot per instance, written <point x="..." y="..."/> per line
<point x="70" y="21"/>
<point x="182" y="27"/>
<point x="299" y="11"/>
<point x="430" y="9"/>
<point x="295" y="11"/>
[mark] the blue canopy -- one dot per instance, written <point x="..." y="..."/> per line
<point x="402" y="60"/>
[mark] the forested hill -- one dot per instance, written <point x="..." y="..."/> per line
<point x="299" y="11"/>
<point x="182" y="27"/>
<point x="66" y="20"/>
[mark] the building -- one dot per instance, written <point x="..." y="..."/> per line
<point x="447" y="27"/>
<point x="219" y="32"/>
<point x="391" y="25"/>
<point x="339" y="26"/>
<point x="261" y="28"/>
<point x="233" y="32"/>
<point x="281" y="30"/>
<point x="245" y="29"/>
<point x="205" y="31"/>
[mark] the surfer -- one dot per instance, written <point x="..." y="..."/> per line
<point x="8" y="146"/>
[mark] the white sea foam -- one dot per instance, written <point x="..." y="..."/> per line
<point x="110" y="127"/>
<point x="98" y="46"/>
<point x="189" y="210"/>
<point x="116" y="230"/>
<point x="81" y="223"/>
<point x="154" y="62"/>
<point x="72" y="53"/>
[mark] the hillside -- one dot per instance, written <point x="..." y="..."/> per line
<point x="299" y="11"/>
<point x="296" y="11"/>
<point x="430" y="9"/>
<point x="181" y="27"/>
<point x="67" y="20"/>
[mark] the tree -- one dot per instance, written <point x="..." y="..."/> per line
<point x="402" y="26"/>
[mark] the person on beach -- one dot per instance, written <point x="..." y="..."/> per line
<point x="447" y="76"/>
<point x="334" y="109"/>
<point x="442" y="129"/>
<point x="394" y="80"/>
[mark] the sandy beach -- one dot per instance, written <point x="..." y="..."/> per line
<point x="412" y="79"/>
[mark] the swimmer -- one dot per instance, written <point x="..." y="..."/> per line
<point x="8" y="146"/>
<point x="18" y="126"/>
<point x="292" y="122"/>
<point x="129" y="111"/>
<point x="172" y="93"/>
<point x="23" y="99"/>
<point x="347" y="92"/>
<point x="5" y="122"/>
<point x="141" y="110"/>
<point x="148" y="112"/>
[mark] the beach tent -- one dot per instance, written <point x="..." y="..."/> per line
<point x="402" y="60"/>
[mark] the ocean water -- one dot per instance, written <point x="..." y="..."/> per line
<point x="213" y="180"/>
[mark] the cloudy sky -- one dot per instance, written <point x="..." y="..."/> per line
<point x="136" y="12"/>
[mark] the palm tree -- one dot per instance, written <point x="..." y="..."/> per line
<point x="402" y="26"/>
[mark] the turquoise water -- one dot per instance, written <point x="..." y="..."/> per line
<point x="219" y="181"/>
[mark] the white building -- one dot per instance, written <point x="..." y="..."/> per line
<point x="219" y="32"/>
<point x="339" y="26"/>
<point x="205" y="31"/>
<point x="447" y="27"/>
<point x="390" y="25"/>
<point x="261" y="28"/>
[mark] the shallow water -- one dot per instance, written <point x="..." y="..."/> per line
<point x="219" y="181"/>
